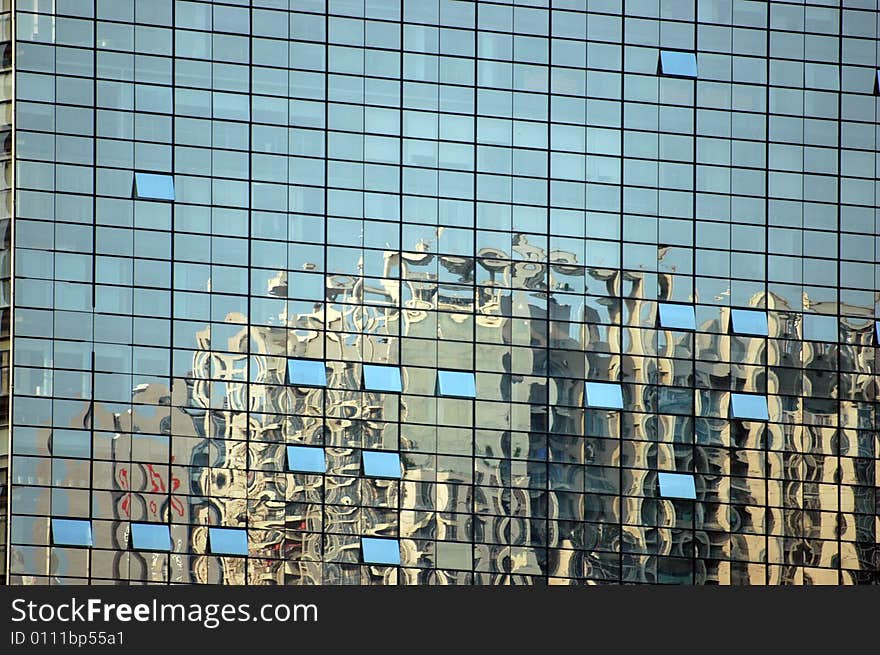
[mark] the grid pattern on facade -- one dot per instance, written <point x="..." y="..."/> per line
<point x="256" y="236"/>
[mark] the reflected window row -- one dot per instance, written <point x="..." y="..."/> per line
<point x="221" y="541"/>
<point x="374" y="463"/>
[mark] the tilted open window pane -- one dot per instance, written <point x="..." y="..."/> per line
<point x="306" y="459"/>
<point x="678" y="64"/>
<point x="677" y="317"/>
<point x="746" y="321"/>
<point x="604" y="395"/>
<point x="307" y="372"/>
<point x="877" y="331"/>
<point x="677" y="485"/>
<point x="457" y="383"/>
<point x="380" y="551"/>
<point x="382" y="378"/>
<point x="153" y="186"/>
<point x="150" y="536"/>
<point x="749" y="406"/>
<point x="71" y="532"/>
<point x="227" y="541"/>
<point x="378" y="464"/>
<point x="820" y="328"/>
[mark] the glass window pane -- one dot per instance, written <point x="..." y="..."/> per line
<point x="306" y="459"/>
<point x="380" y="464"/>
<point x="820" y="328"/>
<point x="227" y="541"/>
<point x="69" y="532"/>
<point x="382" y="378"/>
<point x="749" y="406"/>
<point x="380" y="551"/>
<point x="604" y="395"/>
<point x="457" y="383"/>
<point x="678" y="64"/>
<point x="677" y="485"/>
<point x="745" y="321"/>
<point x="307" y="372"/>
<point x="153" y="186"/>
<point x="150" y="536"/>
<point x="677" y="317"/>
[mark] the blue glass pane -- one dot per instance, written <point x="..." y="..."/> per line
<point x="306" y="459"/>
<point x="746" y="321"/>
<point x="749" y="406"/>
<point x="677" y="485"/>
<point x="380" y="551"/>
<point x="71" y="444"/>
<point x="820" y="328"/>
<point x="150" y="536"/>
<point x="382" y="378"/>
<point x="228" y="541"/>
<point x="677" y="317"/>
<point x="307" y="372"/>
<point x="678" y="64"/>
<point x="153" y="186"/>
<point x="69" y="532"/>
<point x="457" y="383"/>
<point x="877" y="330"/>
<point x="380" y="464"/>
<point x="604" y="395"/>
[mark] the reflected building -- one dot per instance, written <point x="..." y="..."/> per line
<point x="440" y="292"/>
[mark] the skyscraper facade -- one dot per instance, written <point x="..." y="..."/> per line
<point x="440" y="292"/>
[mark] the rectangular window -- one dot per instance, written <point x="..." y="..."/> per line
<point x="153" y="186"/>
<point x="877" y="331"/>
<point x="677" y="317"/>
<point x="749" y="406"/>
<point x="604" y="395"/>
<point x="150" y="536"/>
<point x="307" y="372"/>
<point x="380" y="551"/>
<point x="745" y="321"/>
<point x="678" y="64"/>
<point x="70" y="532"/>
<point x="306" y="459"/>
<point x="677" y="485"/>
<point x="379" y="464"/>
<point x="382" y="378"/>
<point x="227" y="541"/>
<point x="818" y="327"/>
<point x="457" y="383"/>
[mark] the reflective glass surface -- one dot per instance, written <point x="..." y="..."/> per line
<point x="380" y="551"/>
<point x="746" y="321"/>
<point x="150" y="536"/>
<point x="71" y="532"/>
<point x="677" y="485"/>
<point x="305" y="372"/>
<point x="678" y="64"/>
<point x="820" y="328"/>
<point x="462" y="275"/>
<point x="604" y="395"/>
<point x="747" y="406"/>
<point x="152" y="186"/>
<point x="227" y="541"/>
<point x="307" y="459"/>
<point x="380" y="464"/>
<point x="677" y="317"/>
<point x="382" y="378"/>
<point x="456" y="383"/>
